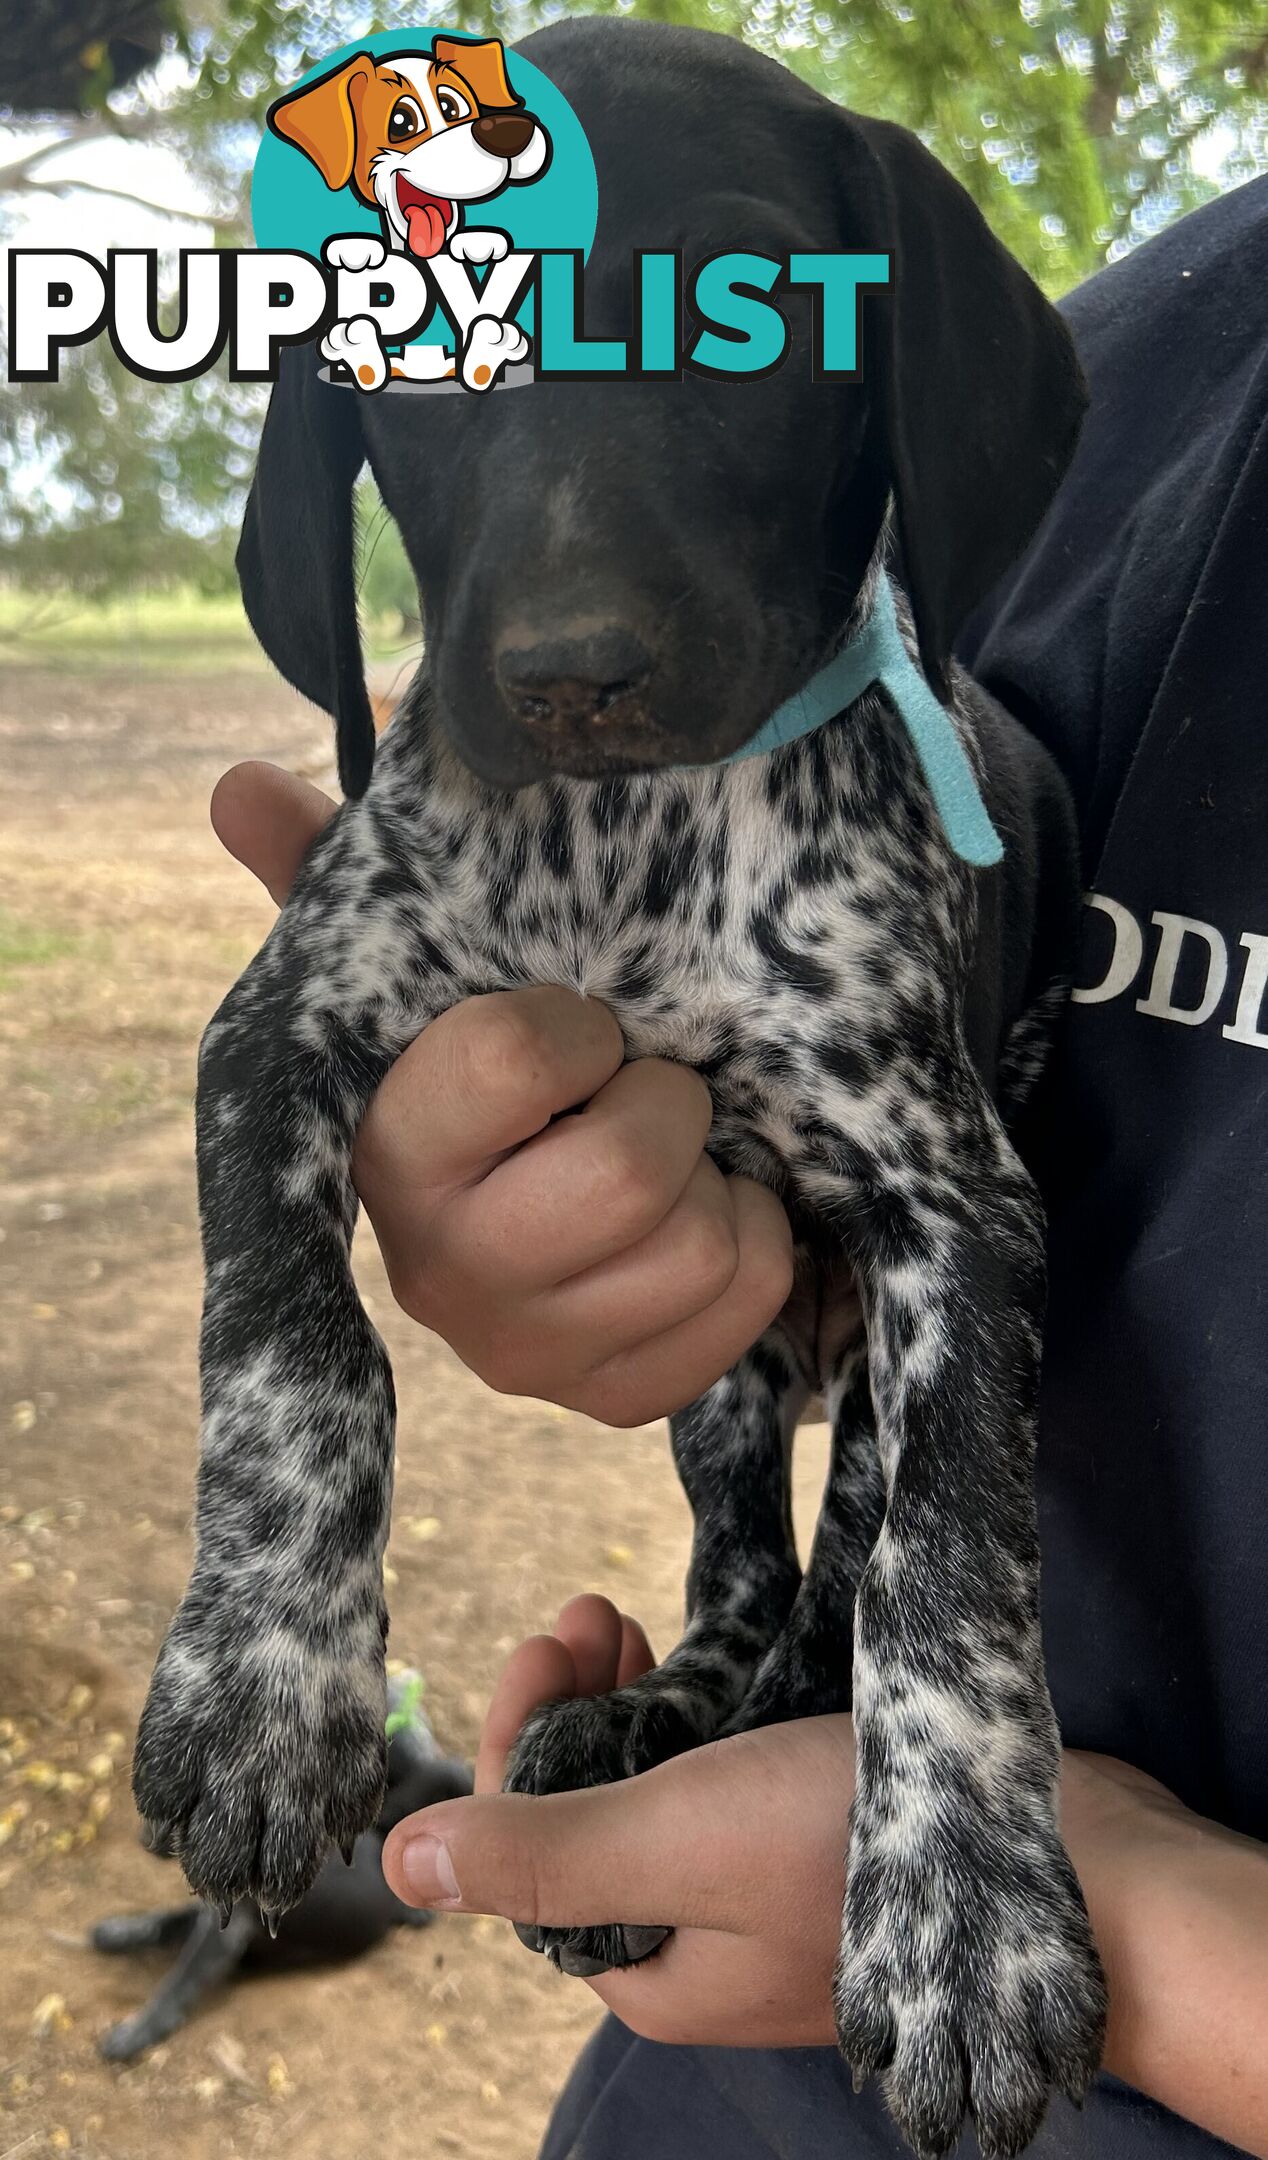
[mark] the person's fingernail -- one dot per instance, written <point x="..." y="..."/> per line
<point x="428" y="1869"/>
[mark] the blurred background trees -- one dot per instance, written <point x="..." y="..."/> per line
<point x="1080" y="126"/>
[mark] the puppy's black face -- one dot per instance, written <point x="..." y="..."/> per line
<point x="624" y="575"/>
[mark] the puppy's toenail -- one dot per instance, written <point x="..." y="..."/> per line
<point x="579" y="1967"/>
<point x="640" y="1942"/>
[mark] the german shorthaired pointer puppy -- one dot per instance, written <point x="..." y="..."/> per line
<point x="620" y="584"/>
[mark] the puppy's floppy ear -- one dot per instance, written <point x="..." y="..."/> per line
<point x="296" y="555"/>
<point x="980" y="392"/>
<point x="321" y="119"/>
<point x="481" y="62"/>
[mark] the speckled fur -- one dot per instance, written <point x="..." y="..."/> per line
<point x="796" y="928"/>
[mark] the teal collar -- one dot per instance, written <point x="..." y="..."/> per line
<point x="878" y="655"/>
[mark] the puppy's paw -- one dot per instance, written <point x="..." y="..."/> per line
<point x="355" y="251"/>
<point x="355" y="345"/>
<point x="491" y="346"/>
<point x="483" y="244"/>
<point x="597" y="1740"/>
<point x="601" y="1739"/>
<point x="258" y="1751"/>
<point x="584" y="1953"/>
<point x="968" y="1980"/>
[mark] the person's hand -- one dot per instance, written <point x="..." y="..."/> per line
<point x="599" y="1260"/>
<point x="738" y="1846"/>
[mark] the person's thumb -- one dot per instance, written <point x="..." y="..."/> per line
<point x="630" y="1853"/>
<point x="268" y="819"/>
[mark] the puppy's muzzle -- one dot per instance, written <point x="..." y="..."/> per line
<point x="577" y="688"/>
<point x="504" y="134"/>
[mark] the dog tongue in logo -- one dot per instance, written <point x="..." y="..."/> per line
<point x="426" y="219"/>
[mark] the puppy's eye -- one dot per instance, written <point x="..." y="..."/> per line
<point x="453" y="106"/>
<point x="405" y="119"/>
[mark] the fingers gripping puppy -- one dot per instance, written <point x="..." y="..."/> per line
<point x="417" y="137"/>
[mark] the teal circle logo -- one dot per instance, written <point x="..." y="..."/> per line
<point x="424" y="140"/>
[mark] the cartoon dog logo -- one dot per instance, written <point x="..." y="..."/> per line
<point x="417" y="136"/>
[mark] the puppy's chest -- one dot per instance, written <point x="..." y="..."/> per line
<point x="680" y="909"/>
<point x="760" y="939"/>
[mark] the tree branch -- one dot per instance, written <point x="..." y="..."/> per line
<point x="75" y="135"/>
<point x="1109" y="79"/>
<point x="1111" y="72"/>
<point x="1155" y="172"/>
<point x="18" y="169"/>
<point x="1252" y="59"/>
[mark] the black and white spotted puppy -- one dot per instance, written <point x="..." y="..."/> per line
<point x="620" y="583"/>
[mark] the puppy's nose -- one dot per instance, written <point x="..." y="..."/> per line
<point x="504" y="134"/>
<point x="567" y="683"/>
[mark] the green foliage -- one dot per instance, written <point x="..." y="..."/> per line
<point x="1072" y="122"/>
<point x="109" y="484"/>
<point x="408" y="1708"/>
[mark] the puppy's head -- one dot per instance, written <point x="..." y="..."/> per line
<point x="623" y="575"/>
<point x="417" y="134"/>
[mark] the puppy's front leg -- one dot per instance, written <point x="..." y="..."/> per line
<point x="968" y="1975"/>
<point x="262" y="1741"/>
<point x="732" y="1449"/>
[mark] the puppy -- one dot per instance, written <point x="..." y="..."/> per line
<point x="348" y="1909"/>
<point x="620" y="585"/>
<point x="417" y="137"/>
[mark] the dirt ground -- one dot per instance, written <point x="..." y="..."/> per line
<point x="121" y="924"/>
